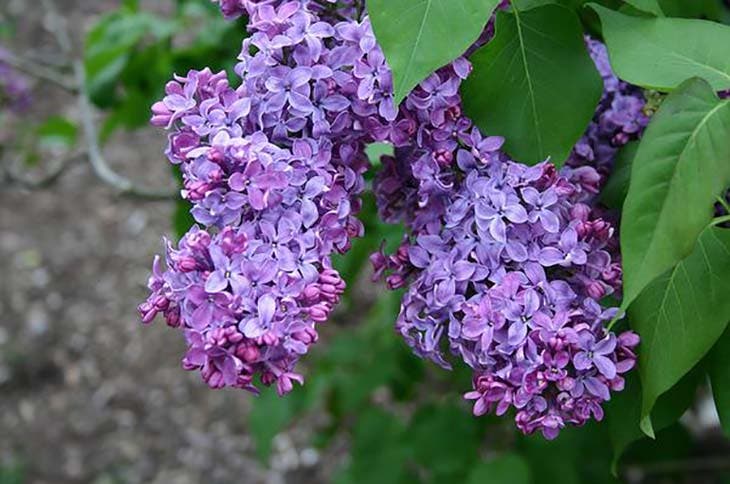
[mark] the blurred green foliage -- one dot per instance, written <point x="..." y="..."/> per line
<point x="12" y="474"/>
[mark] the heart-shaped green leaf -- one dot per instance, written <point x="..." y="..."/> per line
<point x="534" y="84"/>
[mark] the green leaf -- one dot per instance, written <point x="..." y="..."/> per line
<point x="650" y="6"/>
<point x="680" y="315"/>
<point x="661" y="53"/>
<point x="270" y="414"/>
<point x="448" y="457"/>
<point x="57" y="130"/>
<point x="375" y="151"/>
<point x="110" y="44"/>
<point x="707" y="9"/>
<point x="718" y="367"/>
<point x="623" y="412"/>
<point x="420" y="36"/>
<point x="617" y="186"/>
<point x="682" y="164"/>
<point x="505" y="469"/>
<point x="379" y="453"/>
<point x="534" y="84"/>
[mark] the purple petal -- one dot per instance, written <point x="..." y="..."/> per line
<point x="266" y="307"/>
<point x="216" y="282"/>
<point x="605" y="366"/>
<point x="550" y="256"/>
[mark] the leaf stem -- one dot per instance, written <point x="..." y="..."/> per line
<point x="720" y="220"/>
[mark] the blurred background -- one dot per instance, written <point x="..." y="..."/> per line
<point x="88" y="395"/>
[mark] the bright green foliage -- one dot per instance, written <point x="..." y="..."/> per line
<point x="680" y="315"/>
<point x="534" y="84"/>
<point x="682" y="165"/>
<point x="661" y="53"/>
<point x="419" y="36"/>
<point x="129" y="56"/>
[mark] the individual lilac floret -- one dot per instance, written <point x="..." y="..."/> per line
<point x="243" y="311"/>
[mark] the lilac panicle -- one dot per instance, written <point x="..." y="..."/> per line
<point x="274" y="169"/>
<point x="504" y="264"/>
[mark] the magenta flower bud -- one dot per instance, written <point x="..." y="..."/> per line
<point x="249" y="354"/>
<point x="564" y="188"/>
<point x="620" y="139"/>
<point x="330" y="277"/>
<point x="311" y="292"/>
<point x="628" y="339"/>
<point x="270" y="339"/>
<point x="580" y="211"/>
<point x="172" y="318"/>
<point x="216" y="156"/>
<point x="583" y="229"/>
<point x="443" y="157"/>
<point x="268" y="378"/>
<point x="395" y="281"/>
<point x="199" y="240"/>
<point x="595" y="289"/>
<point x="566" y="384"/>
<point x="548" y="176"/>
<point x="318" y="313"/>
<point x="283" y="385"/>
<point x="148" y="313"/>
<point x="160" y="115"/>
<point x="161" y="302"/>
<point x="612" y="274"/>
<point x="215" y="380"/>
<point x="187" y="264"/>
<point x="617" y="384"/>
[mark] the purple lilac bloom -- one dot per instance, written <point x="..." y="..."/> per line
<point x="620" y="117"/>
<point x="504" y="264"/>
<point x="274" y="169"/>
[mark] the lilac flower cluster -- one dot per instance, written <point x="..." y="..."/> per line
<point x="504" y="264"/>
<point x="274" y="169"/>
<point x="621" y="117"/>
<point x="15" y="89"/>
